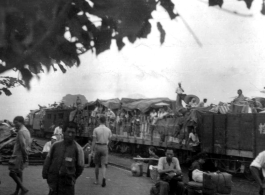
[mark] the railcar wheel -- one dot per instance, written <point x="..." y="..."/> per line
<point x="124" y="148"/>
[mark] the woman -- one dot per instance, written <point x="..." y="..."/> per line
<point x="152" y="153"/>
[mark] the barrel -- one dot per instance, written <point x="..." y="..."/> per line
<point x="194" y="188"/>
<point x="137" y="169"/>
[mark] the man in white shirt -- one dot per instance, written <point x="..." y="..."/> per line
<point x="179" y="90"/>
<point x="170" y="171"/>
<point x="193" y="138"/>
<point x="162" y="113"/>
<point x="257" y="168"/>
<point x="58" y="132"/>
<point x="47" y="146"/>
<point x="101" y="138"/>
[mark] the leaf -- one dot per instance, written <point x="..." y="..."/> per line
<point x="162" y="32"/>
<point x="62" y="68"/>
<point x="169" y="7"/>
<point x="102" y="40"/>
<point x="127" y="14"/>
<point x="216" y="2"/>
<point x="248" y="3"/>
<point x="120" y="43"/>
<point x="26" y="76"/>
<point x="35" y="67"/>
<point x="6" y="91"/>
<point x="145" y="31"/>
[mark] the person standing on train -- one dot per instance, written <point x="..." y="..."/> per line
<point x="179" y="91"/>
<point x="58" y="132"/>
<point x="240" y="97"/>
<point x="257" y="168"/>
<point x="153" y="117"/>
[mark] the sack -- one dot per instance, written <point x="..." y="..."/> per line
<point x="214" y="109"/>
<point x="197" y="175"/>
<point x="224" y="109"/>
<point x="217" y="183"/>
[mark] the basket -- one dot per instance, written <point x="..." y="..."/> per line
<point x="154" y="173"/>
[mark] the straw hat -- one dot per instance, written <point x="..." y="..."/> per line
<point x="188" y="98"/>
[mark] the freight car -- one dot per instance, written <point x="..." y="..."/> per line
<point x="230" y="140"/>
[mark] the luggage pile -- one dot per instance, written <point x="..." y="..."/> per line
<point x="210" y="183"/>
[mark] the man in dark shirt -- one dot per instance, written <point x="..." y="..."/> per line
<point x="64" y="163"/>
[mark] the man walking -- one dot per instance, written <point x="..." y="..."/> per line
<point x="257" y="169"/>
<point x="101" y="137"/>
<point x="19" y="158"/>
<point x="64" y="163"/>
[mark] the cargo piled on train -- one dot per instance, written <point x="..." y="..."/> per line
<point x="232" y="134"/>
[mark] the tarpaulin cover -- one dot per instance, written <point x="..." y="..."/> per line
<point x="144" y="104"/>
<point x="112" y="104"/>
<point x="195" y="116"/>
<point x="129" y="100"/>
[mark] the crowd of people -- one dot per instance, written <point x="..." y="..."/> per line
<point x="64" y="162"/>
<point x="64" y="157"/>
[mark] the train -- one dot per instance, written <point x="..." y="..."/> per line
<point x="230" y="140"/>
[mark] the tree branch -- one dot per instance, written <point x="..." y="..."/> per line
<point x="54" y="26"/>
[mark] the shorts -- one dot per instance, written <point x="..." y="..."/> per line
<point x="16" y="164"/>
<point x="101" y="154"/>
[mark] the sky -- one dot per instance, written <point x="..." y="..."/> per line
<point x="231" y="57"/>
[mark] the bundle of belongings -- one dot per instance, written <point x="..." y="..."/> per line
<point x="246" y="106"/>
<point x="212" y="183"/>
<point x="7" y="142"/>
<point x="222" y="108"/>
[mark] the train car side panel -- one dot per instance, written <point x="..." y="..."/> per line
<point x="246" y="132"/>
<point x="260" y="133"/>
<point x="233" y="131"/>
<point x="219" y="134"/>
<point x="207" y="133"/>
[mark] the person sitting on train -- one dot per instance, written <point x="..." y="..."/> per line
<point x="202" y="104"/>
<point x="153" y="117"/>
<point x="170" y="172"/>
<point x="162" y="113"/>
<point x="240" y="98"/>
<point x="152" y="154"/>
<point x="193" y="103"/>
<point x="110" y="114"/>
<point x="257" y="105"/>
<point x="193" y="137"/>
<point x="47" y="146"/>
<point x="257" y="168"/>
<point x="94" y="112"/>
